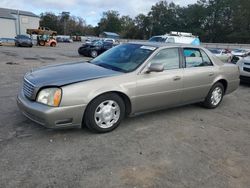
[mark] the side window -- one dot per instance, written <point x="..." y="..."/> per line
<point x="196" y="58"/>
<point x="168" y="57"/>
<point x="206" y="59"/>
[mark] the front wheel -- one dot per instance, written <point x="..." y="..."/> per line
<point x="41" y="43"/>
<point x="214" y="96"/>
<point x="105" y="113"/>
<point x="93" y="53"/>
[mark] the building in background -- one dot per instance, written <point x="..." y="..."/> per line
<point x="15" y="22"/>
<point x="109" y="35"/>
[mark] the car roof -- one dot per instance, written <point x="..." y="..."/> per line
<point x="164" y="44"/>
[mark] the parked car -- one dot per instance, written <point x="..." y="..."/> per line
<point x="1" y="43"/>
<point x="90" y="40"/>
<point x="176" y="37"/>
<point x="223" y="54"/>
<point x="126" y="80"/>
<point x="241" y="52"/>
<point x="244" y="65"/>
<point x="23" y="41"/>
<point x="61" y="39"/>
<point x="114" y="41"/>
<point x="95" y="48"/>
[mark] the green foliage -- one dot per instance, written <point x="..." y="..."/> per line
<point x="65" y="24"/>
<point x="211" y="20"/>
<point x="110" y="22"/>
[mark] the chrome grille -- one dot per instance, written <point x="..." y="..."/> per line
<point x="28" y="88"/>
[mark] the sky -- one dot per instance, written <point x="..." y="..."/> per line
<point x="90" y="10"/>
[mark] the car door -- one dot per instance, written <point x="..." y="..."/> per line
<point x="160" y="89"/>
<point x="198" y="75"/>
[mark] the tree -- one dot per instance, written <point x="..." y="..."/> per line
<point x="127" y="27"/>
<point x="143" y="26"/>
<point x="49" y="19"/>
<point x="164" y="17"/>
<point x="64" y="24"/>
<point x="110" y="21"/>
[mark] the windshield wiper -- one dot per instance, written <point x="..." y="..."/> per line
<point x="111" y="67"/>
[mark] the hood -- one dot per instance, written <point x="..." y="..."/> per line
<point x="64" y="74"/>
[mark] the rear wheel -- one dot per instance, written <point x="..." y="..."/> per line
<point x="104" y="113"/>
<point x="214" y="96"/>
<point x="53" y="44"/>
<point x="93" y="53"/>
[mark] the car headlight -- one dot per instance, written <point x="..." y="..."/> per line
<point x="50" y="96"/>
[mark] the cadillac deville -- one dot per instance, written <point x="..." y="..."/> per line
<point x="126" y="80"/>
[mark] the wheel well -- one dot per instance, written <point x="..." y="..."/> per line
<point x="224" y="83"/>
<point x="124" y="97"/>
<point x="126" y="100"/>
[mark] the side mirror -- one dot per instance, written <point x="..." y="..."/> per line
<point x="155" y="68"/>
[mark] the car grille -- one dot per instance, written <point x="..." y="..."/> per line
<point x="247" y="63"/>
<point x="246" y="69"/>
<point x="28" y="88"/>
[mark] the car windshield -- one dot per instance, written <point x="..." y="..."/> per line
<point x="157" y="39"/>
<point x="97" y="43"/>
<point x="215" y="51"/>
<point x="124" y="58"/>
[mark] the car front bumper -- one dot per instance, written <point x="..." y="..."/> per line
<point x="245" y="74"/>
<point x="245" y="79"/>
<point x="51" y="117"/>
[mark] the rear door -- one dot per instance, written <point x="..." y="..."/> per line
<point x="198" y="74"/>
<point x="160" y="89"/>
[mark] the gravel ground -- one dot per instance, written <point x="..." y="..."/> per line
<point x="182" y="147"/>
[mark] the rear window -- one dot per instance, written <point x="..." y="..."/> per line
<point x="196" y="58"/>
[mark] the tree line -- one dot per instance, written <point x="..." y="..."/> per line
<point x="226" y="21"/>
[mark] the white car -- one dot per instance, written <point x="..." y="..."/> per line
<point x="223" y="54"/>
<point x="177" y="37"/>
<point x="113" y="41"/>
<point x="241" y="52"/>
<point x="244" y="66"/>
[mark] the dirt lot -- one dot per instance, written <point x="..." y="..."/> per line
<point x="182" y="147"/>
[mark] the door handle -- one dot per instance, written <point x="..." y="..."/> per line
<point x="211" y="74"/>
<point x="176" y="78"/>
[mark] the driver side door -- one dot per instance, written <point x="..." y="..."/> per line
<point x="160" y="89"/>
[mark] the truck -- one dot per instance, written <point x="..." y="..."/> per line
<point x="41" y="31"/>
<point x="177" y="37"/>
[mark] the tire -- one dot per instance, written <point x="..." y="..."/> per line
<point x="104" y="113"/>
<point x="214" y="96"/>
<point x="93" y="53"/>
<point x="42" y="43"/>
<point x="80" y="51"/>
<point x="53" y="44"/>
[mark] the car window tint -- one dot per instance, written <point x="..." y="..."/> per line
<point x="169" y="58"/>
<point x="194" y="58"/>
